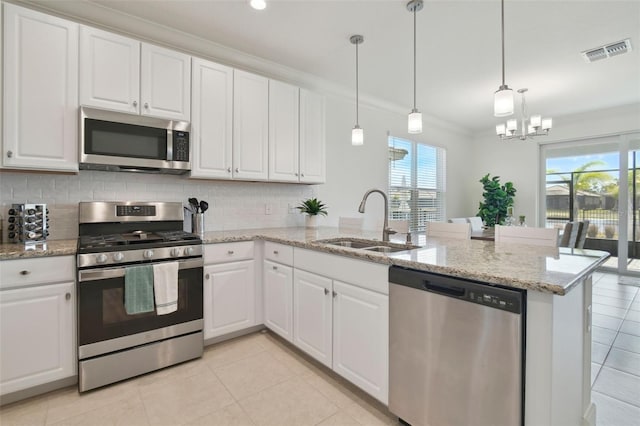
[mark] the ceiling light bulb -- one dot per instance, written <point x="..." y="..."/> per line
<point x="503" y="102"/>
<point x="415" y="121"/>
<point x="258" y="4"/>
<point x="357" y="136"/>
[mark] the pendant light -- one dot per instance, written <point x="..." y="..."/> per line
<point x="357" y="134"/>
<point x="503" y="98"/>
<point x="415" y="116"/>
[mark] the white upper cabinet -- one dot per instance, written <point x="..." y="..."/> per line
<point x="312" y="137"/>
<point x="40" y="102"/>
<point x="212" y="120"/>
<point x="110" y="70"/>
<point x="165" y="83"/>
<point x="250" y="126"/>
<point x="283" y="131"/>
<point x="122" y="74"/>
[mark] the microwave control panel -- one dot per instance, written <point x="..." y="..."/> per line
<point x="180" y="146"/>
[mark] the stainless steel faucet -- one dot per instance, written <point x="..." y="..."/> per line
<point x="386" y="231"/>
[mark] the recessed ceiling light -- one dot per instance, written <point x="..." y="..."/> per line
<point x="258" y="4"/>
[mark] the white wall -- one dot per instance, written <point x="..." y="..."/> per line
<point x="352" y="170"/>
<point x="519" y="161"/>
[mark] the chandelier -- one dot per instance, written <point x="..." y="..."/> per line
<point x="529" y="126"/>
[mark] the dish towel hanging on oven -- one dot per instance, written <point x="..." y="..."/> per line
<point x="138" y="289"/>
<point x="165" y="284"/>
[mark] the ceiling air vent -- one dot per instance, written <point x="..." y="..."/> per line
<point x="607" y="51"/>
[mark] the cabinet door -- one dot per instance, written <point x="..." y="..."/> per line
<point x="361" y="338"/>
<point x="37" y="336"/>
<point x="278" y="298"/>
<point x="250" y="126"/>
<point x="109" y="71"/>
<point x="40" y="102"/>
<point x="283" y="131"/>
<point x="312" y="309"/>
<point x="212" y="120"/>
<point x="312" y="138"/>
<point x="165" y="83"/>
<point x="229" y="298"/>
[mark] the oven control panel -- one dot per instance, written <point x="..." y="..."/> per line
<point x="158" y="254"/>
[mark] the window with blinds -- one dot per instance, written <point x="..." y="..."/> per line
<point x="416" y="183"/>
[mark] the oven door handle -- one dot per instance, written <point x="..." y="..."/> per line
<point x="101" y="274"/>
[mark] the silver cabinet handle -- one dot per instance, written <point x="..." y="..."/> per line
<point x="326" y="291"/>
<point x="207" y="276"/>
<point x="275" y="252"/>
<point x="9" y="154"/>
<point x="146" y="105"/>
<point x="237" y="170"/>
<point x="295" y="174"/>
<point x="25" y="272"/>
<point x="230" y="252"/>
<point x="334" y="294"/>
<point x="302" y="174"/>
<point x="275" y="268"/>
<point x="135" y="103"/>
<point x="67" y="296"/>
<point x="588" y="319"/>
<point x="228" y="169"/>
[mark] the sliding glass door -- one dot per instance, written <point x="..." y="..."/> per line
<point x="597" y="182"/>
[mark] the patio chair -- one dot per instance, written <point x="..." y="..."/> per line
<point x="583" y="234"/>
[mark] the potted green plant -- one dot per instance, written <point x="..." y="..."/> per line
<point x="312" y="207"/>
<point x="497" y="200"/>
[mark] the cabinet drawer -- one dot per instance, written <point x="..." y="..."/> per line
<point x="278" y="253"/>
<point x="228" y="252"/>
<point x="25" y="272"/>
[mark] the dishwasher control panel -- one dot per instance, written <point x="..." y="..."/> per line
<point x="459" y="288"/>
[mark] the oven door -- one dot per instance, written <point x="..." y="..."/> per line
<point x="104" y="326"/>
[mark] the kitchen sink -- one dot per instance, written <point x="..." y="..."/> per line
<point x="368" y="245"/>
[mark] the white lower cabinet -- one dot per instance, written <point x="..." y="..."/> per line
<point x="37" y="323"/>
<point x="278" y="298"/>
<point x="229" y="289"/>
<point x="361" y="337"/>
<point x="312" y="312"/>
<point x="344" y="325"/>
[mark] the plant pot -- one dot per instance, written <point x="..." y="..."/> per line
<point x="311" y="221"/>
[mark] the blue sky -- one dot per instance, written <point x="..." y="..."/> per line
<point x="569" y="164"/>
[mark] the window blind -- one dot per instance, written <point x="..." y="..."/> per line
<point x="416" y="182"/>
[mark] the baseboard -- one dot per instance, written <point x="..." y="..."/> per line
<point x="233" y="335"/>
<point x="37" y="390"/>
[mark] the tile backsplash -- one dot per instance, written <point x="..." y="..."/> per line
<point x="232" y="205"/>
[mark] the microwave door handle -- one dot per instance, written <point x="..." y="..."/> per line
<point x="102" y="274"/>
<point x="169" y="144"/>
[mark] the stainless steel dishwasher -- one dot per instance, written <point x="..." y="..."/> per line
<point x="456" y="351"/>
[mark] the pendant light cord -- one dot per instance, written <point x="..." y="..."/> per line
<point x="502" y="25"/>
<point x="357" y="97"/>
<point x="414" y="57"/>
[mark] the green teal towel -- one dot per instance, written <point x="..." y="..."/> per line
<point x="138" y="289"/>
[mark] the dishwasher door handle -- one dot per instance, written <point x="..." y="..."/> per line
<point x="444" y="290"/>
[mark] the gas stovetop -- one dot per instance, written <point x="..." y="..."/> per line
<point x="120" y="233"/>
<point x="135" y="240"/>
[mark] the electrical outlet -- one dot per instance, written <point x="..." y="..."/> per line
<point x="267" y="208"/>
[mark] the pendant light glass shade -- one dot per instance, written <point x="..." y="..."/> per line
<point x="415" y="122"/>
<point x="503" y="102"/>
<point x="357" y="136"/>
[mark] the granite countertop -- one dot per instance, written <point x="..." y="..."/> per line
<point x="544" y="269"/>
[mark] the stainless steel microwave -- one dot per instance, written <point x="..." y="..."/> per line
<point x="118" y="141"/>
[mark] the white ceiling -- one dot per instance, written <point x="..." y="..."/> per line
<point x="458" y="48"/>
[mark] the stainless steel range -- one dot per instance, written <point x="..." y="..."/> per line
<point x="114" y="345"/>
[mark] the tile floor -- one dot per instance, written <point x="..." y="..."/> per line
<point x="252" y="380"/>
<point x="615" y="351"/>
<point x="258" y="380"/>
